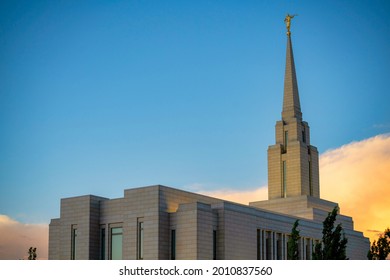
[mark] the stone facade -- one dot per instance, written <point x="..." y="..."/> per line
<point x="204" y="227"/>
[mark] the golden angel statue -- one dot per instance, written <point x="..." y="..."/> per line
<point x="287" y="21"/>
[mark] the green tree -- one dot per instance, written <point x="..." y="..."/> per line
<point x="380" y="249"/>
<point x="334" y="242"/>
<point x="32" y="253"/>
<point x="292" y="244"/>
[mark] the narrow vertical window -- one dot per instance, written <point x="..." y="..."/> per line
<point x="258" y="244"/>
<point x="74" y="243"/>
<point x="214" y="244"/>
<point x="284" y="175"/>
<point x="116" y="243"/>
<point x="310" y="180"/>
<point x="268" y="244"/>
<point x="303" y="136"/>
<point x="140" y="240"/>
<point x="308" y="253"/>
<point x="288" y="246"/>
<point x="263" y="245"/>
<point x="278" y="246"/>
<point x="173" y="244"/>
<point x="103" y="243"/>
<point x="285" y="140"/>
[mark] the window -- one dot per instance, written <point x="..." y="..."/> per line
<point x="140" y="253"/>
<point x="74" y="242"/>
<point x="263" y="245"/>
<point x="304" y="136"/>
<point x="173" y="244"/>
<point x="116" y="243"/>
<point x="284" y="178"/>
<point x="288" y="246"/>
<point x="268" y="244"/>
<point x="102" y="243"/>
<point x="279" y="246"/>
<point x="310" y="180"/>
<point x="308" y="252"/>
<point x="258" y="244"/>
<point x="214" y="244"/>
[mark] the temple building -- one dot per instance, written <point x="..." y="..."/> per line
<point x="159" y="222"/>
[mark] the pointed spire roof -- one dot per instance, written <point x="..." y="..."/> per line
<point x="291" y="104"/>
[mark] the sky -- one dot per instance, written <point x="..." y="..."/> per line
<point x="101" y="96"/>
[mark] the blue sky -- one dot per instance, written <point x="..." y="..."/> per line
<point x="99" y="96"/>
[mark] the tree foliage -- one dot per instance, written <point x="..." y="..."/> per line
<point x="292" y="245"/>
<point x="334" y="242"/>
<point x="380" y="249"/>
<point x="32" y="253"/>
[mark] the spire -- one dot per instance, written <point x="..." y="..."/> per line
<point x="291" y="104"/>
<point x="293" y="169"/>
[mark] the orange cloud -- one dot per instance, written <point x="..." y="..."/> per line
<point x="243" y="197"/>
<point x="16" y="238"/>
<point x="357" y="176"/>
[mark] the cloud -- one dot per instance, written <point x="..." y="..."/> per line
<point x="357" y="176"/>
<point x="16" y="238"/>
<point x="240" y="196"/>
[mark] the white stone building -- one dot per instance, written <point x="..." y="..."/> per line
<point x="159" y="222"/>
